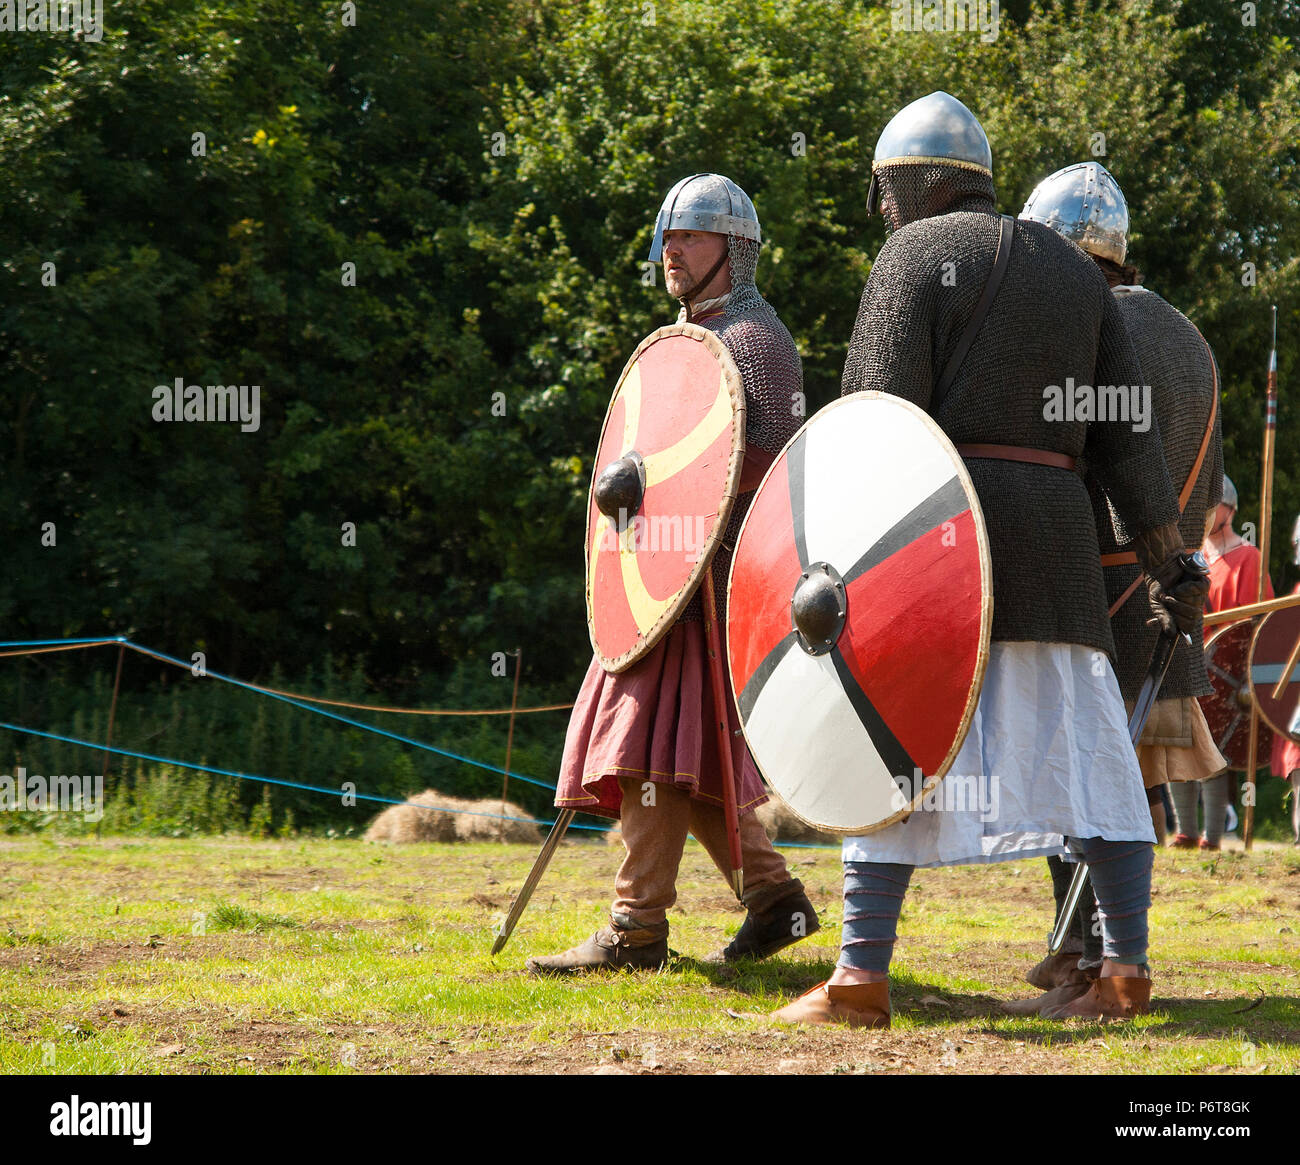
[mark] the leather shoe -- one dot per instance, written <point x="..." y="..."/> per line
<point x="856" y="1004"/>
<point x="1057" y="970"/>
<point x="1110" y="997"/>
<point x="775" y="921"/>
<point x="612" y="948"/>
<point x="1066" y="993"/>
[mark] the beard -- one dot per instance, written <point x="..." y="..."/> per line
<point x="678" y="282"/>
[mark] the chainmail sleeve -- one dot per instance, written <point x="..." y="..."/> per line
<point x="771" y="371"/>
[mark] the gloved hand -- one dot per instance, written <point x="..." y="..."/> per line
<point x="1177" y="590"/>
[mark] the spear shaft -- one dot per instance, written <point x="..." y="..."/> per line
<point x="713" y="637"/>
<point x="1265" y="536"/>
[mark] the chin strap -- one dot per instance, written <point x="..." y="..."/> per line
<point x="703" y="283"/>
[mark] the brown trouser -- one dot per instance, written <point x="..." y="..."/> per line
<point x="654" y="835"/>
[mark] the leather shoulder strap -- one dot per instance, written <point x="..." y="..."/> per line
<point x="1000" y="261"/>
<point x="1209" y="432"/>
<point x="1129" y="556"/>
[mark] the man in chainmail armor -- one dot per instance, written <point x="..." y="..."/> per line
<point x="1049" y="739"/>
<point x="1235" y="566"/>
<point x="652" y="725"/>
<point x="1085" y="204"/>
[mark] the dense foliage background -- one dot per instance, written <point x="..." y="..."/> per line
<point x="492" y="168"/>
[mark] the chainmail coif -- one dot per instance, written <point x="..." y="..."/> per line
<point x="913" y="192"/>
<point x="1054" y="318"/>
<point x="1178" y="366"/>
<point x="742" y="264"/>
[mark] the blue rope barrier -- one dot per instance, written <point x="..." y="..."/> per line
<point x="322" y="712"/>
<point x="347" y="720"/>
<point x="296" y="703"/>
<point x="273" y="780"/>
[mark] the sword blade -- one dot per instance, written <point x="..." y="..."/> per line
<point x="1161" y="658"/>
<point x="549" y="846"/>
<point x="1056" y="940"/>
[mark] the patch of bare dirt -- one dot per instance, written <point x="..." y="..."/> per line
<point x="227" y="1043"/>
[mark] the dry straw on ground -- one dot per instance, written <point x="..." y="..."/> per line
<point x="419" y="820"/>
<point x="782" y="825"/>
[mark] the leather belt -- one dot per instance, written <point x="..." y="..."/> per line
<point x="1018" y="453"/>
<point x="1058" y="461"/>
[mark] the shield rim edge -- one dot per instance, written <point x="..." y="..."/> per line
<point x="1222" y="631"/>
<point x="736" y="389"/>
<point x="986" y="621"/>
<point x="1250" y="679"/>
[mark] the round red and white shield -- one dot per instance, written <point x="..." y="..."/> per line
<point x="665" y="477"/>
<point x="1227" y="709"/>
<point x="860" y="608"/>
<point x="1275" y="671"/>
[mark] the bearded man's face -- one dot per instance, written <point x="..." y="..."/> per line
<point x="688" y="257"/>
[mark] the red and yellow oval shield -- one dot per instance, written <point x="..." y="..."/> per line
<point x="676" y="420"/>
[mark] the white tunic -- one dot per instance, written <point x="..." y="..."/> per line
<point x="1048" y="756"/>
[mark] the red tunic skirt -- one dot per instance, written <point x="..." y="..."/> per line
<point x="653" y="722"/>
<point x="1286" y="753"/>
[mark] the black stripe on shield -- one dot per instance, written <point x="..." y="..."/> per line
<point x="754" y="688"/>
<point x="943" y="505"/>
<point x="901" y="766"/>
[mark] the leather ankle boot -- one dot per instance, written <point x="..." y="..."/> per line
<point x="1066" y="993"/>
<point x="1059" y="970"/>
<point x="1111" y="997"/>
<point x="856" y="1004"/>
<point x="612" y="948"/>
<point x="778" y="916"/>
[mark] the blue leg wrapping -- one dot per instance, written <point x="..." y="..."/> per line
<point x="873" y="898"/>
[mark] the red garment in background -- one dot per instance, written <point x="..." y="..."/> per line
<point x="1286" y="753"/>
<point x="1234" y="579"/>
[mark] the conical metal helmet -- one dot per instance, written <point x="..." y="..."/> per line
<point x="1084" y="203"/>
<point x="934" y="130"/>
<point x="1229" y="492"/>
<point x="705" y="202"/>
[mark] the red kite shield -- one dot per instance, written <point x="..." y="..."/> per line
<point x="666" y="475"/>
<point x="1227" y="709"/>
<point x="860" y="608"/>
<point x="1275" y="672"/>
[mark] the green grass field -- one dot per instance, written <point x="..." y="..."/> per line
<point x="229" y="955"/>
